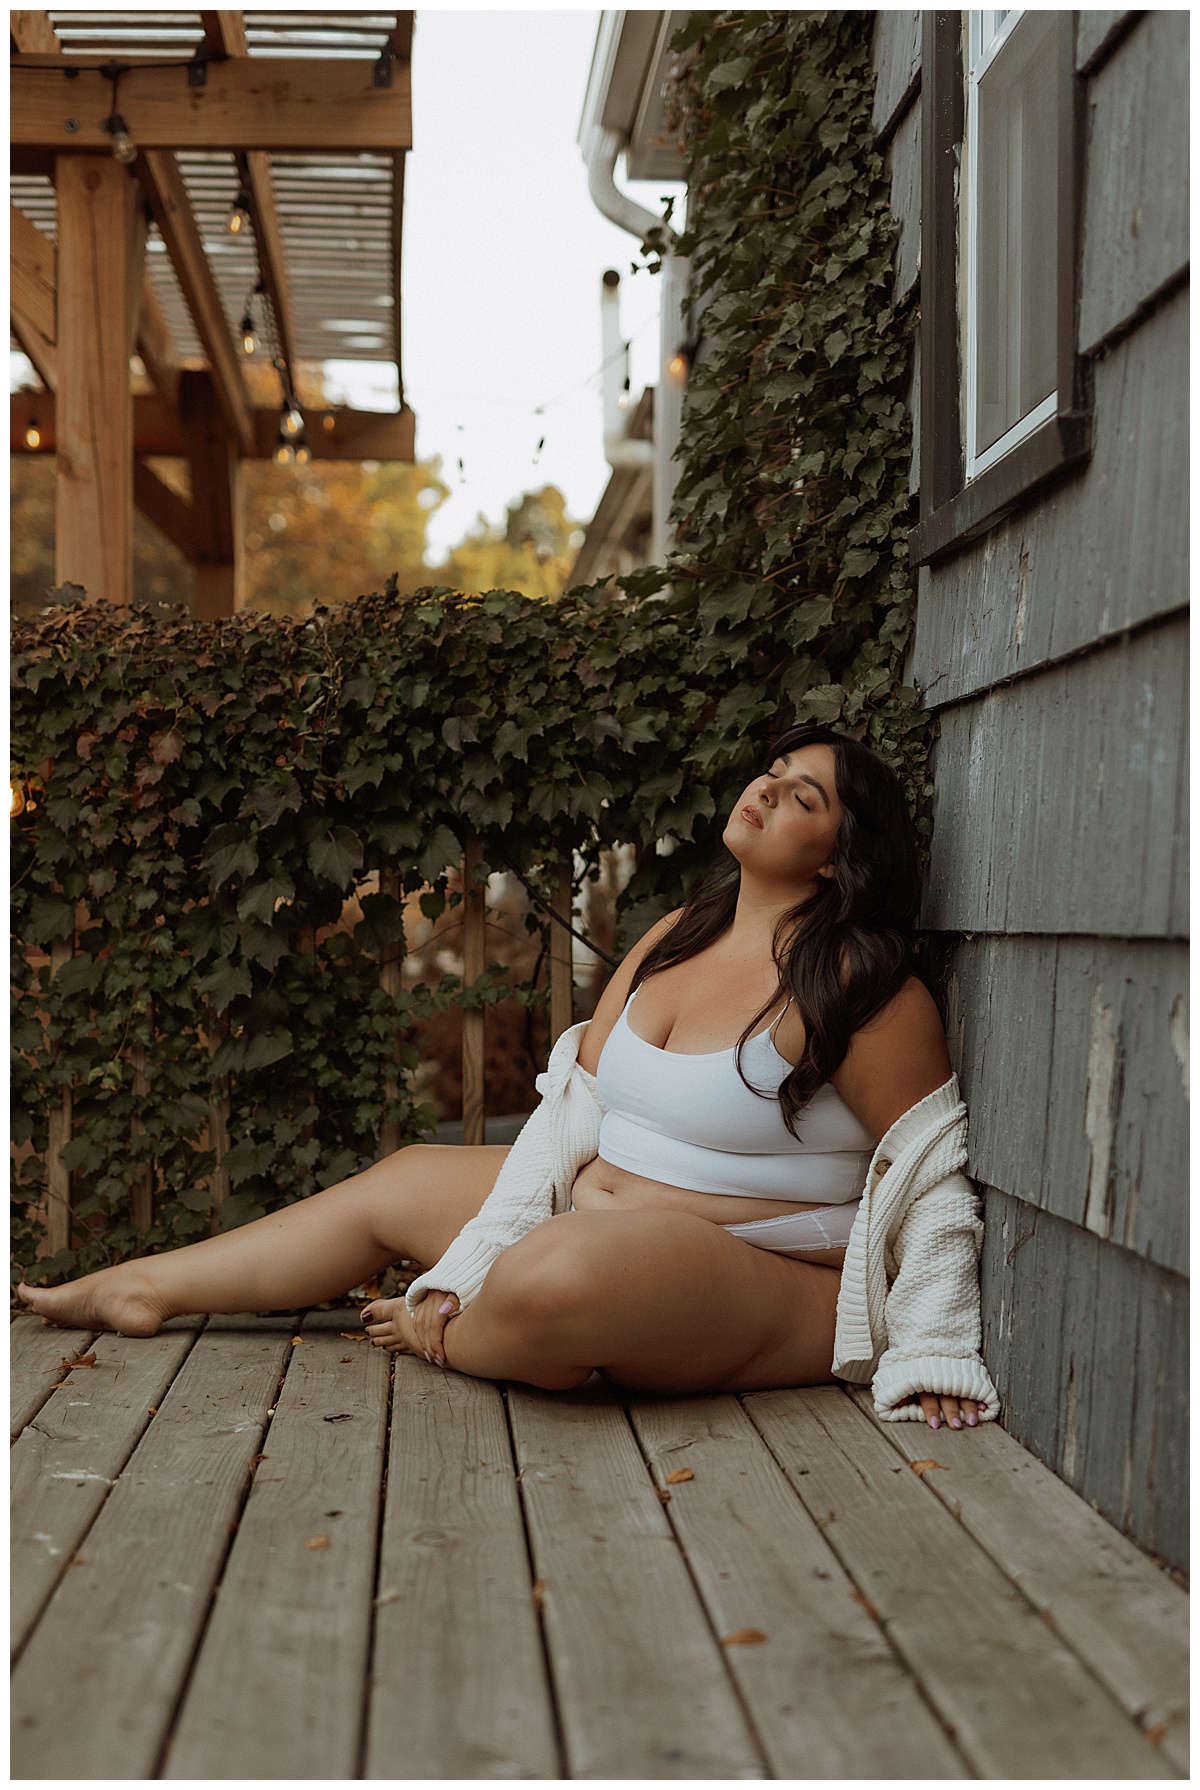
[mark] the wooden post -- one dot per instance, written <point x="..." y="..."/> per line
<point x="474" y="917"/>
<point x="561" y="968"/>
<point x="216" y="497"/>
<point x="141" y="1200"/>
<point x="58" y="1175"/>
<point x="391" y="981"/>
<point x="97" y="201"/>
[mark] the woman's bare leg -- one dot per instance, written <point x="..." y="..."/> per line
<point x="409" y="1206"/>
<point x="655" y="1300"/>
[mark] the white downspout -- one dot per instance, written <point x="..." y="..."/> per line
<point x="604" y="146"/>
<point x="622" y="453"/>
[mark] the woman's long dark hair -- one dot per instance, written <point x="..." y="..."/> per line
<point x="845" y="951"/>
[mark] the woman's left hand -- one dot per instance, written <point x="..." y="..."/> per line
<point x="429" y="1322"/>
<point x="939" y="1408"/>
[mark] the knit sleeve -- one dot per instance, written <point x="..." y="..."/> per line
<point x="932" y="1313"/>
<point x="556" y="1140"/>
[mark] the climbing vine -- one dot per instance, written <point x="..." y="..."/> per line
<point x="223" y="818"/>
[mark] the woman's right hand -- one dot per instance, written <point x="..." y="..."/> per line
<point x="429" y="1323"/>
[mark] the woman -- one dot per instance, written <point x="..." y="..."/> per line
<point x="685" y="1211"/>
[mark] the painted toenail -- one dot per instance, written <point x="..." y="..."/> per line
<point x="428" y="1357"/>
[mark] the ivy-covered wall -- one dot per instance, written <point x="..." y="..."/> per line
<point x="201" y="798"/>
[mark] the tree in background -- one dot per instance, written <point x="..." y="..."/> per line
<point x="321" y="533"/>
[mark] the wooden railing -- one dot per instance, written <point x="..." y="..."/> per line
<point x="57" y="1198"/>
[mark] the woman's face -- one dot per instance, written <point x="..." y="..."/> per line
<point x="784" y="823"/>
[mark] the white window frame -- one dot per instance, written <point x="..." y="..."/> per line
<point x="987" y="34"/>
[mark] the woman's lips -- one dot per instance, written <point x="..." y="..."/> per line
<point x="752" y="815"/>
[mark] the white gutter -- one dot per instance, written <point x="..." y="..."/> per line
<point x="622" y="453"/>
<point x="600" y="153"/>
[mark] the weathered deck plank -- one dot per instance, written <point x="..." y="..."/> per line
<point x="826" y="1693"/>
<point x="458" y="1683"/>
<point x="1019" y="1701"/>
<point x="641" y="1684"/>
<point x="290" y="1631"/>
<point x="97" y="1684"/>
<point x="36" y="1353"/>
<point x="69" y="1455"/>
<point x="1120" y="1614"/>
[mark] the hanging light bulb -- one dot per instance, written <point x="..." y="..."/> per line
<point x="33" y="435"/>
<point x="291" y="422"/>
<point x="239" y="216"/>
<point x="248" y="334"/>
<point x="677" y="366"/>
<point x="123" y="145"/>
<point x="302" y="455"/>
<point x="328" y="423"/>
<point x="285" y="454"/>
<point x="16" y="800"/>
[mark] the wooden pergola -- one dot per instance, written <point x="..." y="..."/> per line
<point x="138" y="140"/>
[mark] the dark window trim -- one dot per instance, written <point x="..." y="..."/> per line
<point x="952" y="512"/>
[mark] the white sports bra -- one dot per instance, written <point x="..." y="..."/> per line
<point x="690" y="1121"/>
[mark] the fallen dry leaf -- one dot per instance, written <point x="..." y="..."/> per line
<point x="744" y="1637"/>
<point x="82" y="1361"/>
<point x="296" y="1341"/>
<point x="1155" y="1735"/>
<point x="59" y="1383"/>
<point x="662" y="1494"/>
<point x="152" y="1410"/>
<point x="345" y="1360"/>
<point x="78" y="1561"/>
<point x="539" y="1594"/>
<point x="317" y="1541"/>
<point x="921" y="1468"/>
<point x="867" y="1605"/>
<point x="255" y="1459"/>
<point x="679" y="1475"/>
<point x="351" y="1336"/>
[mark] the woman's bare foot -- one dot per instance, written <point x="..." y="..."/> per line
<point x="389" y="1326"/>
<point x="120" y="1298"/>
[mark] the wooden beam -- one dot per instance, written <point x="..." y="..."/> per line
<point x="249" y="102"/>
<point x="97" y="202"/>
<point x="168" y="196"/>
<point x="157" y="350"/>
<point x="32" y="32"/>
<point x="226" y="31"/>
<point x="474" y="951"/>
<point x="255" y="166"/>
<point x="165" y="509"/>
<point x="32" y="291"/>
<point x="402" y="36"/>
<point x="356" y="435"/>
<point x="562" y="984"/>
<point x="399" y="161"/>
<point x="216" y="508"/>
<point x="42" y="353"/>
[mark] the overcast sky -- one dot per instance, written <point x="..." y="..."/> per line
<point x="503" y="253"/>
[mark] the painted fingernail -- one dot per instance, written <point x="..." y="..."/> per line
<point x="444" y="1307"/>
<point x="441" y="1360"/>
<point x="955" y="1423"/>
<point x="935" y="1423"/>
<point x="428" y="1357"/>
<point x="972" y="1420"/>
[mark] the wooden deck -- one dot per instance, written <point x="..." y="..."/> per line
<point x="249" y="1549"/>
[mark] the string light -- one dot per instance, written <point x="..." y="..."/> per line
<point x="33" y="435"/>
<point x="239" y="216"/>
<point x="302" y="455"/>
<point x="285" y="454"/>
<point x="123" y="145"/>
<point x="248" y="343"/>
<point x="290" y="420"/>
<point x="677" y="366"/>
<point x="16" y="801"/>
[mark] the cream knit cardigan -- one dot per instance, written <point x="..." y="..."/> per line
<point x="908" y="1309"/>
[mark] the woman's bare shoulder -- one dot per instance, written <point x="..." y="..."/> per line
<point x="896" y="1059"/>
<point x="616" y="993"/>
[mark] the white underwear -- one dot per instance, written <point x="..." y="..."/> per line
<point x="799" y="1233"/>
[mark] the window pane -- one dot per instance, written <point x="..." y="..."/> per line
<point x="1017" y="228"/>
